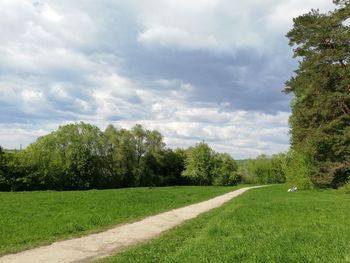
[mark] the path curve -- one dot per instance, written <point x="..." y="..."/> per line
<point x="94" y="246"/>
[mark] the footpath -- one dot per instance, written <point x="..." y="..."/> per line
<point x="99" y="245"/>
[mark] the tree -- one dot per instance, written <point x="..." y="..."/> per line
<point x="225" y="170"/>
<point x="2" y="161"/>
<point x="199" y="164"/>
<point x="80" y="156"/>
<point x="172" y="165"/>
<point x="320" y="120"/>
<point x="151" y="170"/>
<point x="140" y="149"/>
<point x="69" y="158"/>
<point x="297" y="170"/>
<point x="15" y="171"/>
<point x="265" y="169"/>
<point x="119" y="146"/>
<point x="3" y="183"/>
<point x="150" y="155"/>
<point x="260" y="169"/>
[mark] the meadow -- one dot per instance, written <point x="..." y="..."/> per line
<point x="263" y="225"/>
<point x="30" y="219"/>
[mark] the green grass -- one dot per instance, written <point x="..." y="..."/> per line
<point x="263" y="225"/>
<point x="29" y="219"/>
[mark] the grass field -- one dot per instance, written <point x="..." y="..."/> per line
<point x="263" y="225"/>
<point x="29" y="219"/>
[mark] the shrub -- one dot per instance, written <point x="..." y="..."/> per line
<point x="297" y="171"/>
<point x="346" y="187"/>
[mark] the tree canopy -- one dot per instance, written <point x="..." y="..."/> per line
<point x="81" y="156"/>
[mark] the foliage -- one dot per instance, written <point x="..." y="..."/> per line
<point x="69" y="158"/>
<point x="205" y="167"/>
<point x="297" y="169"/>
<point x="80" y="156"/>
<point x="13" y="169"/>
<point x="199" y="164"/>
<point x="346" y="187"/>
<point x="2" y="169"/>
<point x="120" y="157"/>
<point x="320" y="121"/>
<point x="265" y="170"/>
<point x="225" y="170"/>
<point x="40" y="217"/>
<point x="263" y="225"/>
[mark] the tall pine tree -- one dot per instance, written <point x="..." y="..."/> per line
<point x="320" y="120"/>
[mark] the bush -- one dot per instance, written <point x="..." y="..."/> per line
<point x="346" y="187"/>
<point x="225" y="170"/>
<point x="228" y="179"/>
<point x="265" y="170"/>
<point x="297" y="171"/>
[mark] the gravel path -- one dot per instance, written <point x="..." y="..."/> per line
<point x="87" y="248"/>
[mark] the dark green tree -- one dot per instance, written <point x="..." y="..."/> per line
<point x="139" y="134"/>
<point x="2" y="161"/>
<point x="150" y="156"/>
<point x="172" y="165"/>
<point x="320" y="120"/>
<point x="225" y="170"/>
<point x="3" y="183"/>
<point x="120" y="157"/>
<point x="16" y="172"/>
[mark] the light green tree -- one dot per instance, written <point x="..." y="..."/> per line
<point x="199" y="164"/>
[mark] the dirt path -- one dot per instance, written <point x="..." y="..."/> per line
<point x="105" y="243"/>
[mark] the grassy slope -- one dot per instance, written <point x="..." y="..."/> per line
<point x="32" y="218"/>
<point x="263" y="225"/>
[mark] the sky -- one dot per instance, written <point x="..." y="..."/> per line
<point x="195" y="70"/>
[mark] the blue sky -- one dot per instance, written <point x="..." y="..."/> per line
<point x="196" y="70"/>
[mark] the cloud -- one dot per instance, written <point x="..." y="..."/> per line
<point x="168" y="36"/>
<point x="195" y="70"/>
<point x="219" y="25"/>
<point x="241" y="133"/>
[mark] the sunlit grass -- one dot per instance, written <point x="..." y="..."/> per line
<point x="28" y="219"/>
<point x="263" y="225"/>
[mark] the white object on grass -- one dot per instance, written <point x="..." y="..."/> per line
<point x="293" y="189"/>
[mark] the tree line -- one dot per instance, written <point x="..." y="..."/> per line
<point x="265" y="169"/>
<point x="81" y="156"/>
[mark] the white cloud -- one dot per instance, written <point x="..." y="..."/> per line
<point x="219" y="25"/>
<point x="15" y="136"/>
<point x="61" y="62"/>
<point x="241" y="133"/>
<point x="174" y="36"/>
